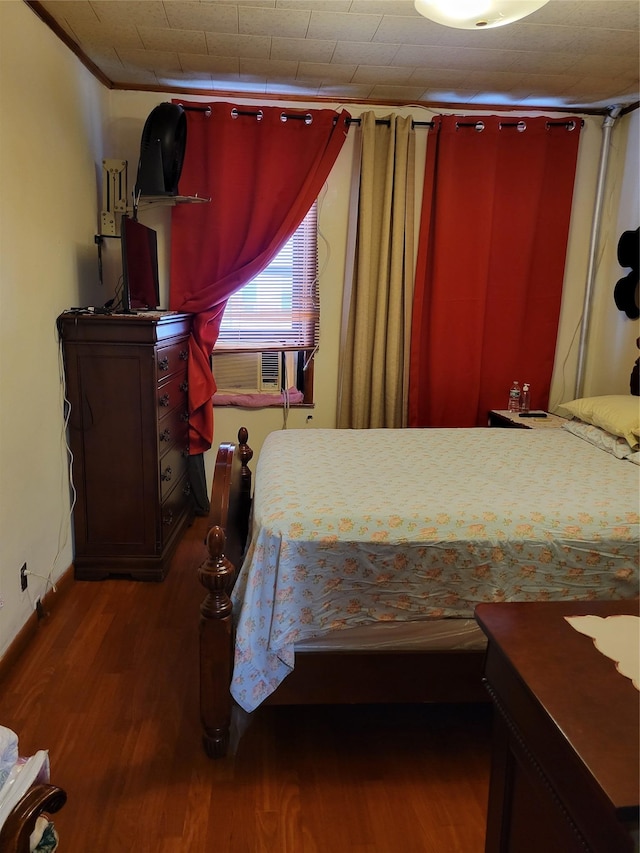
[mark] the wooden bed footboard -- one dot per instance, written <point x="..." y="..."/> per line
<point x="335" y="677"/>
<point x="40" y="799"/>
<point x="216" y="646"/>
<point x="229" y="525"/>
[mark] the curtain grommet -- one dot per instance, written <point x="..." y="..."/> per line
<point x="520" y="126"/>
<point x="478" y="126"/>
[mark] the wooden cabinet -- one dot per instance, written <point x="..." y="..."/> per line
<point x="564" y="774"/>
<point x="126" y="384"/>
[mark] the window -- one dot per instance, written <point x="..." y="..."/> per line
<point x="270" y="327"/>
<point x="279" y="308"/>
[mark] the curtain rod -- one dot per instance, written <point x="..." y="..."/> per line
<point x="300" y="116"/>
<point x="387" y="122"/>
<point x="235" y="112"/>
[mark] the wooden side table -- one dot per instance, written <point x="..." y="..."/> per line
<point x="566" y="757"/>
<point x="505" y="418"/>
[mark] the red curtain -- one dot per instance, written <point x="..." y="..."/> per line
<point x="262" y="169"/>
<point x="493" y="234"/>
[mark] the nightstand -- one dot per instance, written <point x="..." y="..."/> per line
<point x="512" y="420"/>
<point x="564" y="766"/>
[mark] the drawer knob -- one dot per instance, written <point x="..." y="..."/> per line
<point x="184" y="416"/>
<point x="165" y="435"/>
<point x="163" y="363"/>
<point x="184" y="386"/>
<point x="184" y="355"/>
<point x="167" y="518"/>
<point x="166" y="474"/>
<point x="164" y="401"/>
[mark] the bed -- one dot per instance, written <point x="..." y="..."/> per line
<point x="369" y="550"/>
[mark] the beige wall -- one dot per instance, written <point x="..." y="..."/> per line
<point x="50" y="141"/>
<point x="58" y="123"/>
<point x="612" y="350"/>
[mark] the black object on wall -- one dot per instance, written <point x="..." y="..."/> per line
<point x="162" y="147"/>
<point x="625" y="293"/>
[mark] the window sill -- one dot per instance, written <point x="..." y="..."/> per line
<point x="244" y="405"/>
<point x="260" y="401"/>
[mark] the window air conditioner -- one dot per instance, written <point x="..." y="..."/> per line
<point x="247" y="372"/>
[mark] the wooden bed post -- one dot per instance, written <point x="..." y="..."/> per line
<point x="245" y="454"/>
<point x="216" y="646"/>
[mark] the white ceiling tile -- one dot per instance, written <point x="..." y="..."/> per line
<point x="310" y="5"/>
<point x="382" y="92"/>
<point x="364" y="53"/>
<point x="308" y="50"/>
<point x="590" y="48"/>
<point x="392" y="8"/>
<point x="267" y="68"/>
<point x="254" y="47"/>
<point x="599" y="65"/>
<point x="122" y="35"/>
<point x="287" y="86"/>
<point x="418" y="30"/>
<point x="616" y="14"/>
<point x="213" y="64"/>
<point x="273" y="22"/>
<point x="555" y="63"/>
<point x="440" y="77"/>
<point x="196" y="80"/>
<point x="248" y="85"/>
<point x="342" y="93"/>
<point x="188" y="41"/>
<point x="153" y="59"/>
<point x="137" y="76"/>
<point x="382" y="74"/>
<point x="447" y="57"/>
<point x="214" y="17"/>
<point x="327" y="72"/>
<point x="148" y="12"/>
<point x="605" y="41"/>
<point x="324" y="25"/>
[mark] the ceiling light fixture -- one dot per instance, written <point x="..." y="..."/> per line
<point x="477" y="14"/>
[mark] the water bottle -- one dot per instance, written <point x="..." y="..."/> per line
<point x="514" y="397"/>
<point x="525" y="399"/>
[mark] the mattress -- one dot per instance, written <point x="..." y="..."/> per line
<point x="352" y="528"/>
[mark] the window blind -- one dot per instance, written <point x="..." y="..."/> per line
<point x="280" y="307"/>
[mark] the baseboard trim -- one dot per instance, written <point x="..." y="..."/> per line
<point x="28" y="631"/>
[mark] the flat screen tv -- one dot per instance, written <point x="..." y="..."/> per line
<point x="140" y="282"/>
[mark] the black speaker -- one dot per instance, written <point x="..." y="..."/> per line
<point x="164" y="139"/>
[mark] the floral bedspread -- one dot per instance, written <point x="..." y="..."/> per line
<point x="357" y="526"/>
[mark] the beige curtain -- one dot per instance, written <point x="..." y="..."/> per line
<point x="374" y="368"/>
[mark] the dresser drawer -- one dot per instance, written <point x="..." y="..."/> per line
<point x="173" y="393"/>
<point x="173" y="430"/>
<point x="173" y="466"/>
<point x="174" y="507"/>
<point x="172" y="358"/>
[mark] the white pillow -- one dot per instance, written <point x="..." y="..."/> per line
<point x="613" y="444"/>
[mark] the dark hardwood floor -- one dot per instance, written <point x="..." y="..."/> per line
<point x="110" y="686"/>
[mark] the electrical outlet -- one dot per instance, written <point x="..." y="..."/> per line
<point x="23" y="577"/>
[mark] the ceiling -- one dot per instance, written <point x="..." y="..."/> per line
<point x="575" y="54"/>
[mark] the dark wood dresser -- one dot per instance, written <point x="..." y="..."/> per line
<point x="126" y="383"/>
<point x="566" y="762"/>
